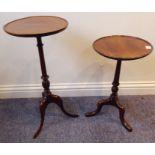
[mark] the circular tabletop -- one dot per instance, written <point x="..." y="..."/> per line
<point x="36" y="26"/>
<point x="120" y="47"/>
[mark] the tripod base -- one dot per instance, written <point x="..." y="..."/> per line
<point x="47" y="99"/>
<point x="114" y="101"/>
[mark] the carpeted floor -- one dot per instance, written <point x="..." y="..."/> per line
<point x="19" y="119"/>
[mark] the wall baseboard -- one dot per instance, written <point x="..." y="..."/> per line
<point x="78" y="89"/>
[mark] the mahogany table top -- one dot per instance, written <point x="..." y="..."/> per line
<point x="36" y="26"/>
<point x="120" y="47"/>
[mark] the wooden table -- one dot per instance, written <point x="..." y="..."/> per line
<point x="120" y="48"/>
<point x="38" y="27"/>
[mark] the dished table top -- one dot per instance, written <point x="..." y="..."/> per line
<point x="36" y="26"/>
<point x="120" y="47"/>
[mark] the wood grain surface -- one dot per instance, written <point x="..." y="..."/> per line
<point x="36" y="26"/>
<point x="121" y="47"/>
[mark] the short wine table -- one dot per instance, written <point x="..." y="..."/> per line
<point x="120" y="48"/>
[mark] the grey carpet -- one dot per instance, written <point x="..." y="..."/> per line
<point x="19" y="119"/>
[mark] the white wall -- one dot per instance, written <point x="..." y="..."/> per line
<point x="73" y="66"/>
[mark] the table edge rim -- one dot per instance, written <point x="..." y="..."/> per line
<point x="123" y="59"/>
<point x="35" y="35"/>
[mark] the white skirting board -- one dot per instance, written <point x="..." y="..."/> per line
<point x="78" y="89"/>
